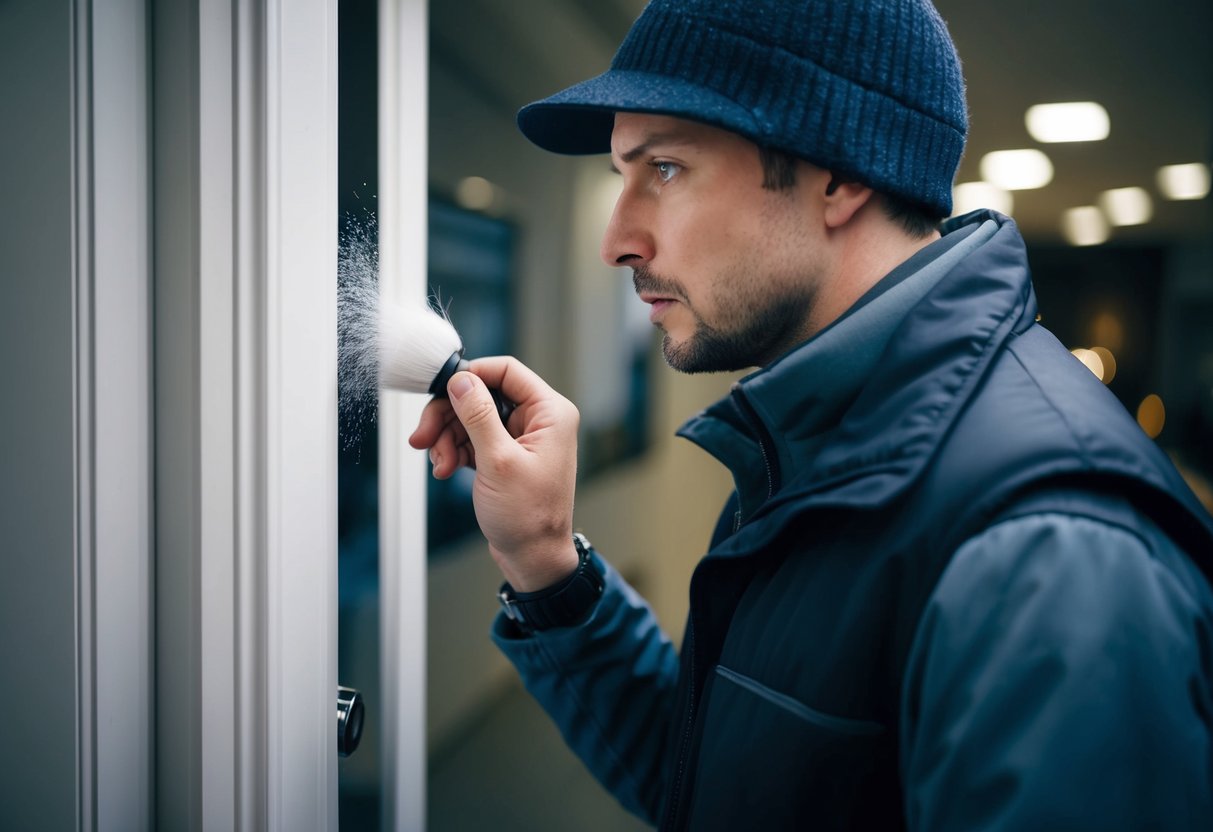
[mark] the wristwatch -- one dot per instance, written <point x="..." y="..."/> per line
<point x="560" y="605"/>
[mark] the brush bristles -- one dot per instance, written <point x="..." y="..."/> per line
<point x="414" y="343"/>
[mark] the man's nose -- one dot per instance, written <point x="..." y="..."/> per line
<point x="628" y="239"/>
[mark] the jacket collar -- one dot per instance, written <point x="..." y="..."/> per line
<point x="854" y="414"/>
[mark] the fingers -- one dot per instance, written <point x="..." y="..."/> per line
<point x="517" y="382"/>
<point x="448" y="456"/>
<point x="457" y="429"/>
<point x="477" y="411"/>
<point x="436" y="417"/>
<point x="440" y="431"/>
<point x="536" y="405"/>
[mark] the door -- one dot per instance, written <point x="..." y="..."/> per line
<point x="169" y="486"/>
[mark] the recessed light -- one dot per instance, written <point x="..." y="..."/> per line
<point x="1017" y="170"/>
<point x="1127" y="206"/>
<point x="1084" y="226"/>
<point x="1091" y="359"/>
<point x="1074" y="121"/>
<point x="1109" y="363"/>
<point x="1189" y="181"/>
<point x="972" y="196"/>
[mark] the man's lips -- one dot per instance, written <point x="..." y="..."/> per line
<point x="658" y="304"/>
<point x="654" y="297"/>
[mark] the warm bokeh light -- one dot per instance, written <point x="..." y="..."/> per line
<point x="1017" y="170"/>
<point x="1190" y="181"/>
<point x="1151" y="415"/>
<point x="474" y="193"/>
<point x="972" y="196"/>
<point x="1108" y="361"/>
<point x="1091" y="359"/>
<point x="1084" y="226"/>
<point x="1075" y="121"/>
<point x="1127" y="206"/>
<point x="1107" y="329"/>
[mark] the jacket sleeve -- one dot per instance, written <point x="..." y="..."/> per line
<point x="609" y="685"/>
<point x="1060" y="679"/>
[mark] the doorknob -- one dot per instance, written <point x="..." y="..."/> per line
<point x="350" y="712"/>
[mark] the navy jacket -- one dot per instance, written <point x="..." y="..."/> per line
<point x="956" y="588"/>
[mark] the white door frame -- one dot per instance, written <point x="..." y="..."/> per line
<point x="245" y="346"/>
<point x="114" y="418"/>
<point x="75" y="486"/>
<point x="403" y="197"/>
<point x="171" y="510"/>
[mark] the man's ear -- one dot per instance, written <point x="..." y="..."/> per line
<point x="843" y="198"/>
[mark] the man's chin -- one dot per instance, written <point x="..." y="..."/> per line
<point x="694" y="356"/>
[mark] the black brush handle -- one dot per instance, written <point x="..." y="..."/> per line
<point x="457" y="363"/>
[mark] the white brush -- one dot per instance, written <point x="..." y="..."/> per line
<point x="419" y="351"/>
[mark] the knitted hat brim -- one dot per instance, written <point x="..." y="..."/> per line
<point x="579" y="120"/>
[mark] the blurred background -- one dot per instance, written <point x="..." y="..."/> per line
<point x="1118" y="223"/>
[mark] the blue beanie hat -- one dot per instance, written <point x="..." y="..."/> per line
<point x="868" y="89"/>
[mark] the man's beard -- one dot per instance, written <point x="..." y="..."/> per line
<point x="756" y="331"/>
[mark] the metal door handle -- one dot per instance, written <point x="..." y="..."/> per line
<point x="350" y="712"/>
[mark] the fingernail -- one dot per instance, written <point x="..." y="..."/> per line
<point x="459" y="385"/>
<point x="434" y="457"/>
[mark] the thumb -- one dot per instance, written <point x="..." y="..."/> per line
<point x="477" y="410"/>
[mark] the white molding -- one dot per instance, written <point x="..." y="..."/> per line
<point x="246" y="580"/>
<point x="403" y="120"/>
<point x="300" y="374"/>
<point x="113" y="313"/>
<point x="249" y="224"/>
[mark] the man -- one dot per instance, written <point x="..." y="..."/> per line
<point x="956" y="586"/>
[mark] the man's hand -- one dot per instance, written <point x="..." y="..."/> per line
<point x="526" y="471"/>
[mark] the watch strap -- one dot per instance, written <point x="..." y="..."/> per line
<point x="561" y="605"/>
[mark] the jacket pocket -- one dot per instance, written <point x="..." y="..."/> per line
<point x="843" y="725"/>
<point x="766" y="760"/>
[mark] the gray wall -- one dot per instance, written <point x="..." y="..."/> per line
<point x="38" y="786"/>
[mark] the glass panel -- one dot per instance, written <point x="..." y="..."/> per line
<point x="470" y="257"/>
<point x="359" y="775"/>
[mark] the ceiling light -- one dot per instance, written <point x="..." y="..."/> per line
<point x="1076" y="121"/>
<point x="1017" y="170"/>
<point x="972" y="196"/>
<point x="1127" y="206"/>
<point x="1091" y="359"/>
<point x="1084" y="226"/>
<point x="1108" y="361"/>
<point x="1184" y="181"/>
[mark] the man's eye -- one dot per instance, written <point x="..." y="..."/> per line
<point x="666" y="170"/>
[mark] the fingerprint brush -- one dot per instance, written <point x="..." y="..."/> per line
<point x="419" y="351"/>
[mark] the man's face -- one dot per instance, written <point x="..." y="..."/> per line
<point x="729" y="268"/>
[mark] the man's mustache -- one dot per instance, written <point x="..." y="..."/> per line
<point x="643" y="280"/>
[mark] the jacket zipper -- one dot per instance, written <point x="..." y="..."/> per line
<point x="684" y="742"/>
<point x="671" y="814"/>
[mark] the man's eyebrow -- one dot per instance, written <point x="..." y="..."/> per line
<point x="655" y="139"/>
